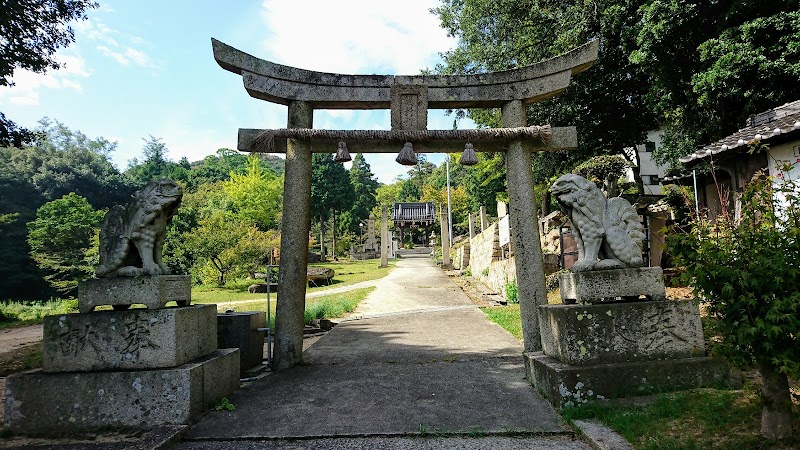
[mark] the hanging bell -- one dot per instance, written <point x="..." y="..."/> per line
<point x="407" y="157"/>
<point x="469" y="158"/>
<point x="342" y="155"/>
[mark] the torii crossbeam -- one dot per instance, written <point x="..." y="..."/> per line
<point x="408" y="98"/>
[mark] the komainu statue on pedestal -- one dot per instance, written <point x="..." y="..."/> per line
<point x="608" y="232"/>
<point x="132" y="237"/>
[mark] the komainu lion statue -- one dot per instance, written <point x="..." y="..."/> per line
<point x="132" y="238"/>
<point x="609" y="233"/>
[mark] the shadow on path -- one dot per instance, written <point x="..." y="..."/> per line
<point x="423" y="371"/>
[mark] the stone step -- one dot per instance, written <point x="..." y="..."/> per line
<point x="49" y="403"/>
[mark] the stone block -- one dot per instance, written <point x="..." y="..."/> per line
<point x="563" y="384"/>
<point x="240" y="330"/>
<point x="597" y="286"/>
<point x="47" y="403"/>
<point x="621" y="332"/>
<point x="133" y="339"/>
<point x="122" y="292"/>
<point x="409" y="107"/>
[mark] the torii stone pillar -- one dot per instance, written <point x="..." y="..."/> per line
<point x="445" y="240"/>
<point x="289" y="313"/>
<point x="471" y="226"/>
<point x="385" y="242"/>
<point x="525" y="223"/>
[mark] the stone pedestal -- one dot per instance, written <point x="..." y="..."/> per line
<point x="619" y="349"/>
<point x="564" y="384"/>
<point x="135" y="339"/>
<point x="240" y="330"/>
<point x="122" y="292"/>
<point x="137" y="368"/>
<point x="583" y="335"/>
<point x="597" y="286"/>
<point x="57" y="402"/>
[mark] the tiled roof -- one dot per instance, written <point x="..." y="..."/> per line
<point x="762" y="128"/>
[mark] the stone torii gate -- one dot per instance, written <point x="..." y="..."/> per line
<point x="408" y="98"/>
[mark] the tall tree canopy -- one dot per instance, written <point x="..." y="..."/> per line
<point x="63" y="238"/>
<point x="331" y="190"/>
<point x="61" y="161"/>
<point x="255" y="196"/>
<point x="696" y="69"/>
<point x="365" y="188"/>
<point x="606" y="103"/>
<point x="30" y="33"/>
<point x="714" y="64"/>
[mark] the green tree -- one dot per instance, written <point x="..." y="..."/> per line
<point x="214" y="243"/>
<point x="365" y="188"/>
<point x="155" y="163"/>
<point x="605" y="171"/>
<point x="331" y="192"/>
<point x="60" y="162"/>
<point x="32" y="31"/>
<point x="608" y="103"/>
<point x="255" y="196"/>
<point x="746" y="270"/>
<point x="485" y="181"/>
<point x="714" y="64"/>
<point x="60" y="237"/>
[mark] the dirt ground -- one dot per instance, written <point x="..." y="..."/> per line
<point x="18" y="337"/>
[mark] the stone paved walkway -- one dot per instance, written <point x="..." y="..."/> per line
<point x="418" y="363"/>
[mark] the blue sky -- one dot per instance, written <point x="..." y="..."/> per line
<point x="142" y="68"/>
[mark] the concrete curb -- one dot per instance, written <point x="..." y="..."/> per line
<point x="600" y="437"/>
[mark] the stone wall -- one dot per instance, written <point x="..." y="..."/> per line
<point x="460" y="255"/>
<point x="484" y="248"/>
<point x="485" y="263"/>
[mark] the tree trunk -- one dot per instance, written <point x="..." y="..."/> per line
<point x="546" y="203"/>
<point x="776" y="414"/>
<point x="333" y="231"/>
<point x="218" y="265"/>
<point x="321" y="239"/>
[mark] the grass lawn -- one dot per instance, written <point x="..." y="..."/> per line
<point x="324" y="307"/>
<point x="698" y="419"/>
<point x="347" y="272"/>
<point x="350" y="272"/>
<point x="15" y="314"/>
<point x="507" y="317"/>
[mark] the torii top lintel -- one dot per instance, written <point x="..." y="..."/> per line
<point x="281" y="84"/>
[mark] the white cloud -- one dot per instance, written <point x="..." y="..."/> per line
<point x="138" y="57"/>
<point x="354" y="36"/>
<point x="360" y="37"/>
<point x="110" y="46"/>
<point x="28" y="85"/>
<point x="116" y="56"/>
<point x="128" y="55"/>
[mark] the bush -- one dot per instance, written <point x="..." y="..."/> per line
<point x="34" y="312"/>
<point x="512" y="293"/>
<point x="746" y="270"/>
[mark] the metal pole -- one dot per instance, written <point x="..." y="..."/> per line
<point x="269" y="317"/>
<point x="449" y="210"/>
